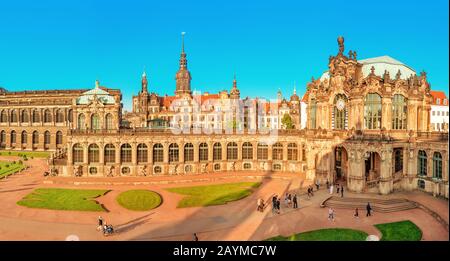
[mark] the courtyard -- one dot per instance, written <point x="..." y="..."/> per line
<point x="219" y="206"/>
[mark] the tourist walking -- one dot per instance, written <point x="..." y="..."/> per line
<point x="317" y="184"/>
<point x="294" y="199"/>
<point x="342" y="191"/>
<point x="369" y="209"/>
<point x="337" y="188"/>
<point x="328" y="184"/>
<point x="286" y="200"/>
<point x="100" y="223"/>
<point x="274" y="204"/>
<point x="278" y="205"/>
<point x="289" y="200"/>
<point x="331" y="189"/>
<point x="312" y="189"/>
<point x="356" y="215"/>
<point x="194" y="237"/>
<point x="331" y="214"/>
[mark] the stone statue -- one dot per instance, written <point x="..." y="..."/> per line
<point x="110" y="172"/>
<point x="233" y="166"/>
<point x="175" y="169"/>
<point x="354" y="55"/>
<point x="144" y="171"/>
<point x="53" y="172"/>
<point x="204" y="167"/>
<point x="350" y="54"/>
<point x="341" y="44"/>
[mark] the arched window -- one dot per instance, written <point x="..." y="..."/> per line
<point x="109" y="121"/>
<point x="398" y="155"/>
<point x="95" y="122"/>
<point x="13" y="116"/>
<point x="24" y="137"/>
<point x="70" y="115"/>
<point x="372" y="111"/>
<point x="232" y="151"/>
<point x="277" y="151"/>
<point x="47" y="137"/>
<point x="59" y="138"/>
<point x="36" y="116"/>
<point x="158" y="153"/>
<point x="312" y="112"/>
<point x="399" y="112"/>
<point x="47" y="116"/>
<point x="340" y="112"/>
<point x="81" y="122"/>
<point x="4" y="116"/>
<point x="3" y="137"/>
<point x="173" y="153"/>
<point x="24" y="117"/>
<point x="142" y="153"/>
<point x="203" y="152"/>
<point x="59" y="116"/>
<point x="125" y="153"/>
<point x="263" y="151"/>
<point x="217" y="151"/>
<point x="13" y="137"/>
<point x="247" y="151"/>
<point x="188" y="152"/>
<point x="437" y="165"/>
<point x="93" y="153"/>
<point x="35" y="138"/>
<point x="292" y="151"/>
<point x="110" y="153"/>
<point x="77" y="152"/>
<point x="422" y="163"/>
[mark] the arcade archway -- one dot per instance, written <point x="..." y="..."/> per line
<point x="341" y="163"/>
<point x="372" y="166"/>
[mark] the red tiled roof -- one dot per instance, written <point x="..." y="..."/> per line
<point x="305" y="97"/>
<point x="166" y="101"/>
<point x="439" y="95"/>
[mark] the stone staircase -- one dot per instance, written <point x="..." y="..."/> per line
<point x="378" y="205"/>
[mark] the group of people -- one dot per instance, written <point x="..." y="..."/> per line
<point x="339" y="188"/>
<point x="331" y="212"/>
<point x="104" y="227"/>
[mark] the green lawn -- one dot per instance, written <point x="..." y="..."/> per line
<point x="29" y="154"/>
<point x="7" y="168"/>
<point x="139" y="200"/>
<point x="400" y="231"/>
<point x="63" y="199"/>
<point x="214" y="194"/>
<point x="329" y="234"/>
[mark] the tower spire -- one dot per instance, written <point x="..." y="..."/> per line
<point x="183" y="76"/>
<point x="144" y="82"/>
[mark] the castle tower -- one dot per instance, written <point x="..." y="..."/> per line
<point x="144" y="83"/>
<point x="183" y="76"/>
<point x="235" y="93"/>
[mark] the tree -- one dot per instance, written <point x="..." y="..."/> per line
<point x="286" y="121"/>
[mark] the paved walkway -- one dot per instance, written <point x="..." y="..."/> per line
<point x="234" y="221"/>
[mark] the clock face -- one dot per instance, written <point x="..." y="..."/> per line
<point x="340" y="104"/>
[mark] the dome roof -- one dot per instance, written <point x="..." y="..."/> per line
<point x="101" y="95"/>
<point x="295" y="97"/>
<point x="381" y="64"/>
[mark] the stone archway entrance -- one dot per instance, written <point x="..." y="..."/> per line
<point x="372" y="166"/>
<point x="341" y="163"/>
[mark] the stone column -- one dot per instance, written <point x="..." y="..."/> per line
<point x="386" y="179"/>
<point x="101" y="153"/>
<point x="429" y="163"/>
<point x="117" y="150"/>
<point x="196" y="152"/>
<point x="181" y="152"/>
<point x="150" y="153"/>
<point x="356" y="180"/>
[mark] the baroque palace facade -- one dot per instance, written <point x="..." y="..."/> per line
<point x="367" y="124"/>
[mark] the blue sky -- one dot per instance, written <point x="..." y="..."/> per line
<point x="52" y="44"/>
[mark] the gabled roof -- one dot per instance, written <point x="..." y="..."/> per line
<point x="439" y="95"/>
